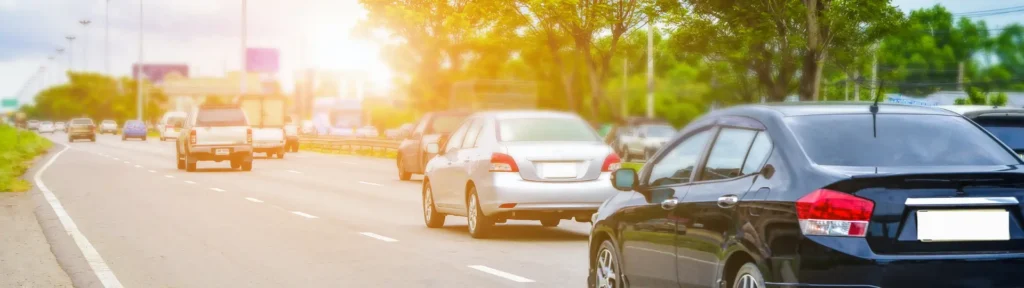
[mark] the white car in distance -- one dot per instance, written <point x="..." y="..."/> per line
<point x="46" y="127"/>
<point x="521" y="165"/>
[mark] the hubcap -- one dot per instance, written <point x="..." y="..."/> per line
<point x="427" y="205"/>
<point x="472" y="213"/>
<point x="606" y="274"/>
<point x="747" y="281"/>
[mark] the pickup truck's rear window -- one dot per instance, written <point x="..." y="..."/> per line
<point x="221" y="117"/>
<point x="81" y="122"/>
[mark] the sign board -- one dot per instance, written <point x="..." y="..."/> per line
<point x="908" y="100"/>
<point x="9" y="103"/>
<point x="262" y="60"/>
<point x="156" y="72"/>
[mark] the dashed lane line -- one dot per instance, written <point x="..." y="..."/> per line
<point x="370" y="183"/>
<point x="190" y="182"/>
<point x="304" y="215"/>
<point x="168" y="176"/>
<point x="254" y="200"/>
<point x="501" y="274"/>
<point x="378" y="237"/>
<point x="217" y="189"/>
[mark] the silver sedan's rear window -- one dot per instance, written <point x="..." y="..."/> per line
<point x="545" y="129"/>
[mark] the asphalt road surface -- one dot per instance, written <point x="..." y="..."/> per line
<point x="309" y="220"/>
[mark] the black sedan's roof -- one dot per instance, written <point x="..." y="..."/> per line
<point x="820" y="108"/>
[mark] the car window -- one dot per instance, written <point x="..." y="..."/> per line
<point x="758" y="154"/>
<point x="445" y="123"/>
<point x="81" y="122"/>
<point x="221" y="117"/>
<point x="455" y="141"/>
<point x="902" y="140"/>
<point x="474" y="132"/>
<point x="545" y="129"/>
<point x="726" y="157"/>
<point x="678" y="163"/>
<point x="659" y="131"/>
<point x="1010" y="130"/>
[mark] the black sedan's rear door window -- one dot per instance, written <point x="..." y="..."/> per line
<point x="901" y="140"/>
<point x="1010" y="130"/>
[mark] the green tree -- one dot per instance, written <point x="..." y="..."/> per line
<point x="98" y="97"/>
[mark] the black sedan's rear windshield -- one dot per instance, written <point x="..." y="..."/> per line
<point x="221" y="117"/>
<point x="903" y="140"/>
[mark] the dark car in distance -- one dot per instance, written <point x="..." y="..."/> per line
<point x="822" y="195"/>
<point x="412" y="155"/>
<point x="134" y="129"/>
<point x="81" y="128"/>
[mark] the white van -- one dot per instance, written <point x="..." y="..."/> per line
<point x="171" y="124"/>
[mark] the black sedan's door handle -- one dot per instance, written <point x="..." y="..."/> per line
<point x="728" y="201"/>
<point x="669" y="204"/>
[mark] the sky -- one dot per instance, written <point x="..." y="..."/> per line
<point x="204" y="34"/>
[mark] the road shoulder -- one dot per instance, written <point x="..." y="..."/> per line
<point x="26" y="259"/>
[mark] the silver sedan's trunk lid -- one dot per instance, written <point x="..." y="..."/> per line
<point x="558" y="161"/>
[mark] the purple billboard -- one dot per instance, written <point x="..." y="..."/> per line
<point x="262" y="60"/>
<point x="157" y="72"/>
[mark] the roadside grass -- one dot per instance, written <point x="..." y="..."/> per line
<point x="635" y="165"/>
<point x="17" y="149"/>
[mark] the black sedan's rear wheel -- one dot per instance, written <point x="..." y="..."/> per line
<point x="748" y="277"/>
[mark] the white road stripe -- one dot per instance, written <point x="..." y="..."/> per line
<point x="152" y="171"/>
<point x="138" y="166"/>
<point x="304" y="215"/>
<point x="293" y="171"/>
<point x="118" y="159"/>
<point x="189" y="182"/>
<point x="370" y="183"/>
<point x="168" y="176"/>
<point x="501" y="274"/>
<point x="126" y="162"/>
<point x="254" y="200"/>
<point x="99" y="267"/>
<point x="217" y="189"/>
<point x="378" y="237"/>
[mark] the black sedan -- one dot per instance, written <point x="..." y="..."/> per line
<point x="824" y="195"/>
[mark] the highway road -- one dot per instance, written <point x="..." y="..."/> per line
<point x="309" y="220"/>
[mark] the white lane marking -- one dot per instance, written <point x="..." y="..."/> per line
<point x="293" y="171"/>
<point x="99" y="267"/>
<point x="304" y="215"/>
<point x="126" y="162"/>
<point x="378" y="237"/>
<point x="370" y="183"/>
<point x="118" y="159"/>
<point x="217" y="189"/>
<point x="189" y="182"/>
<point x="501" y="274"/>
<point x="168" y="176"/>
<point x="138" y="166"/>
<point x="152" y="171"/>
<point x="254" y="199"/>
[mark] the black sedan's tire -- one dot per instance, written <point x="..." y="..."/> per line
<point x="606" y="267"/>
<point x="749" y="276"/>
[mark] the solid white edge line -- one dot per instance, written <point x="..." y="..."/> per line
<point x="378" y="237"/>
<point x="370" y="183"/>
<point x="304" y="215"/>
<point x="501" y="274"/>
<point x="217" y="189"/>
<point x="96" y="263"/>
<point x="254" y="199"/>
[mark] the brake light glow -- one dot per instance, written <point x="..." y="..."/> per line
<point x="248" y="136"/>
<point x="503" y="163"/>
<point x="192" y="137"/>
<point x="611" y="163"/>
<point x="831" y="213"/>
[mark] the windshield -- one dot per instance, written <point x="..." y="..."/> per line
<point x="109" y="122"/>
<point x="545" y="129"/>
<point x="81" y="122"/>
<point x="221" y="117"/>
<point x="903" y="140"/>
<point x="660" y="131"/>
<point x="445" y="123"/>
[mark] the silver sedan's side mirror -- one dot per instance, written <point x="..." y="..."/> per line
<point x="432" y="148"/>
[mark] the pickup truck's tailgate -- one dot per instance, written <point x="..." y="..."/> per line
<point x="267" y="135"/>
<point x="221" y="135"/>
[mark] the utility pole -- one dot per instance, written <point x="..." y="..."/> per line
<point x="245" y="56"/>
<point x="139" y="75"/>
<point x="650" y="69"/>
<point x="61" y="51"/>
<point x="106" y="38"/>
<point x="71" y="52"/>
<point x="85" y="38"/>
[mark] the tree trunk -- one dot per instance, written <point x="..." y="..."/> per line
<point x="810" y="74"/>
<point x="565" y="80"/>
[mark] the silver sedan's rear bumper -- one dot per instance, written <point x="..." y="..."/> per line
<point x="583" y="197"/>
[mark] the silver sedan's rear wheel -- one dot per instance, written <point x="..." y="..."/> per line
<point x="431" y="217"/>
<point x="479" y="224"/>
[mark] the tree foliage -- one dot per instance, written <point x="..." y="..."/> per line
<point x="97" y="97"/>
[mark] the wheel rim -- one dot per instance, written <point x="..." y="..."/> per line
<point x="606" y="269"/>
<point x="427" y="205"/>
<point x="747" y="281"/>
<point x="472" y="213"/>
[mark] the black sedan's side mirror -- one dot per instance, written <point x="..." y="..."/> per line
<point x="625" y="179"/>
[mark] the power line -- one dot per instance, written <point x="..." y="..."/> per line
<point x="991" y="12"/>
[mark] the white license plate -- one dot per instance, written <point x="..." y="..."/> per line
<point x="222" y="151"/>
<point x="558" y="170"/>
<point x="963" y="225"/>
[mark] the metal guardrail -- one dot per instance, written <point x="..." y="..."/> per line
<point x="350" y="144"/>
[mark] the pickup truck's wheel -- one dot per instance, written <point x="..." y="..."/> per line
<point x="430" y="215"/>
<point x="247" y="165"/>
<point x="479" y="224"/>
<point x="550" y="222"/>
<point x="280" y="154"/>
<point x="179" y="160"/>
<point x="190" y="164"/>
<point x="402" y="174"/>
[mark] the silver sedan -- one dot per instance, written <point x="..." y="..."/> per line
<point x="523" y="165"/>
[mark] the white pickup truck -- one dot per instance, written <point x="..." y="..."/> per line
<point x="215" y="133"/>
<point x="267" y="117"/>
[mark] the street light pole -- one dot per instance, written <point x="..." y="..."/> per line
<point x="71" y="52"/>
<point x="85" y="38"/>
<point x="245" y="56"/>
<point x="139" y="76"/>
<point x="106" y="38"/>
